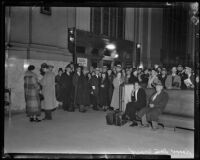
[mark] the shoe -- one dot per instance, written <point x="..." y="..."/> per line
<point x="37" y="120"/>
<point x="133" y="124"/>
<point x="31" y="120"/>
<point x="95" y="108"/>
<point x="145" y="125"/>
<point x="83" y="110"/>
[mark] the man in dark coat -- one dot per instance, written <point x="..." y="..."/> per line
<point x="57" y="87"/>
<point x="103" y="91"/>
<point x="110" y="86"/>
<point x="66" y="88"/>
<point x="134" y="77"/>
<point x="95" y="82"/>
<point x="138" y="97"/>
<point x="156" y="106"/>
<point x="83" y="91"/>
<point x="78" y="84"/>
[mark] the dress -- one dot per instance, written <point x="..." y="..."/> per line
<point x="115" y="97"/>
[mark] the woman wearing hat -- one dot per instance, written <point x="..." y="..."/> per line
<point x="32" y="99"/>
<point x="156" y="106"/>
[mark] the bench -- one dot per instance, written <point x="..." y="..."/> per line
<point x="179" y="111"/>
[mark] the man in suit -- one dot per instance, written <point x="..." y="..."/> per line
<point x="173" y="81"/>
<point x="156" y="106"/>
<point x="138" y="97"/>
<point x="95" y="83"/>
<point x="66" y="88"/>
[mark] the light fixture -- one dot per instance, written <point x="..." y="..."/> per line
<point x="116" y="55"/>
<point x="110" y="46"/>
<point x="138" y="45"/>
<point x="26" y="65"/>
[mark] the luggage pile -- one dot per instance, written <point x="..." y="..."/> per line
<point x="116" y="117"/>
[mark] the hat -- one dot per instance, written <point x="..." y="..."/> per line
<point x="188" y="68"/>
<point x="68" y="66"/>
<point x="164" y="69"/>
<point x="97" y="69"/>
<point x="31" y="67"/>
<point x="119" y="65"/>
<point x="44" y="65"/>
<point x="51" y="66"/>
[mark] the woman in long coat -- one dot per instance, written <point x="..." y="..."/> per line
<point x="103" y="92"/>
<point x="48" y="90"/>
<point x="116" y="83"/>
<point x="32" y="99"/>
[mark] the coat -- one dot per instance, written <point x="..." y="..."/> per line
<point x="58" y="88"/>
<point x="48" y="90"/>
<point x="168" y="82"/>
<point x="110" y="88"/>
<point x="103" y="92"/>
<point x="78" y="97"/>
<point x="31" y="90"/>
<point x="160" y="102"/>
<point x="134" y="106"/>
<point x="66" y="88"/>
<point x="115" y="97"/>
<point x="84" y="90"/>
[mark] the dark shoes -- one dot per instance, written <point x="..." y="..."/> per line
<point x="133" y="124"/>
<point x="34" y="120"/>
<point x="95" y="108"/>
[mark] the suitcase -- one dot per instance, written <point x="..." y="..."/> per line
<point x="110" y="118"/>
<point x="118" y="120"/>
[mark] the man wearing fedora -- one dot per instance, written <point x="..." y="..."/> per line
<point x="95" y="83"/>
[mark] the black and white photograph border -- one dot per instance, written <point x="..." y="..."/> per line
<point x="92" y="38"/>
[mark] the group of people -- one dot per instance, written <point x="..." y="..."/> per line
<point x="77" y="87"/>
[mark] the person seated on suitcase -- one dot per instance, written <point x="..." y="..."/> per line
<point x="156" y="105"/>
<point x="138" y="97"/>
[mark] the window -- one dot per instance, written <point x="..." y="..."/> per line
<point x="105" y="21"/>
<point x="108" y="21"/>
<point x="120" y="25"/>
<point x="45" y="10"/>
<point x="97" y="20"/>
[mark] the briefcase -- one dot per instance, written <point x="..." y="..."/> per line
<point x="110" y="118"/>
<point x="119" y="121"/>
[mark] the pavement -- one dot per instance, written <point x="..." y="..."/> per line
<point x="88" y="133"/>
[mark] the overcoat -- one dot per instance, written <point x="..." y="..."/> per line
<point x="48" y="90"/>
<point x="160" y="102"/>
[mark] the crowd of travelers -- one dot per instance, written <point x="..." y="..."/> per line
<point x="77" y="87"/>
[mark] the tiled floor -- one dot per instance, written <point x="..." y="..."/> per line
<point x="74" y="132"/>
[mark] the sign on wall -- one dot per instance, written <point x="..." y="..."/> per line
<point x="82" y="61"/>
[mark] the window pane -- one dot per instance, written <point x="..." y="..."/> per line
<point x="113" y="22"/>
<point x="97" y="20"/>
<point x="105" y="20"/>
<point x="120" y="23"/>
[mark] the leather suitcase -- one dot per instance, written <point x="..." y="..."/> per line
<point x="110" y="118"/>
<point x="119" y="120"/>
